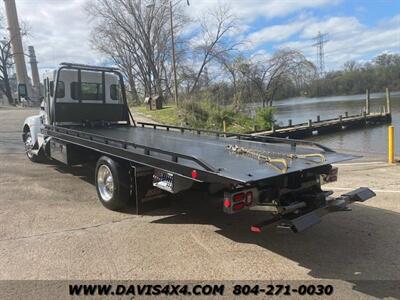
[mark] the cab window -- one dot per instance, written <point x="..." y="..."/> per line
<point x="89" y="91"/>
<point x="60" y="89"/>
<point x="115" y="92"/>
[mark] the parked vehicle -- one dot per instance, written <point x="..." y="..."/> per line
<point x="85" y="117"/>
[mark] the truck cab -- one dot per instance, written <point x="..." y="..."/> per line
<point x="75" y="96"/>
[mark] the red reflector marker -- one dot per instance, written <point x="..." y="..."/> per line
<point x="227" y="203"/>
<point x="195" y="174"/>
<point x="255" y="229"/>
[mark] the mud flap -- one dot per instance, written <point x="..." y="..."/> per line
<point x="305" y="221"/>
<point x="143" y="194"/>
<point x="361" y="194"/>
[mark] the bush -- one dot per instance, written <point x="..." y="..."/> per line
<point x="208" y="115"/>
<point x="264" y="118"/>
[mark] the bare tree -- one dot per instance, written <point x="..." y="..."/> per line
<point x="213" y="41"/>
<point x="137" y="37"/>
<point x="5" y="64"/>
<point x="108" y="42"/>
<point x="268" y="75"/>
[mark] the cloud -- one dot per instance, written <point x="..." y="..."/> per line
<point x="253" y="9"/>
<point x="348" y="39"/>
<point x="59" y="31"/>
<point x="333" y="26"/>
<point x="276" y="33"/>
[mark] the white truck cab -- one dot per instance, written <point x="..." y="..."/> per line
<point x="65" y="87"/>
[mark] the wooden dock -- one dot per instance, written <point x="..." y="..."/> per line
<point x="317" y="127"/>
<point x="299" y="131"/>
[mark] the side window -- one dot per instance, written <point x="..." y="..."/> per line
<point x="115" y="92"/>
<point x="89" y="91"/>
<point x="51" y="87"/>
<point x="75" y="90"/>
<point x="60" y="90"/>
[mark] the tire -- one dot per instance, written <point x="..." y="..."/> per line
<point x="29" y="147"/>
<point x="112" y="184"/>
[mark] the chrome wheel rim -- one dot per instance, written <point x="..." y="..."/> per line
<point x="105" y="183"/>
<point x="28" y="145"/>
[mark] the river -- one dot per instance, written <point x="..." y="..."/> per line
<point x="370" y="141"/>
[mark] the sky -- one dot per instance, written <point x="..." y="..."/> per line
<point x="355" y="29"/>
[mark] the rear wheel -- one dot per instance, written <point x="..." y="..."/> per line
<point x="112" y="183"/>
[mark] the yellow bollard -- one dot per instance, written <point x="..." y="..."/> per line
<point x="390" y="144"/>
<point x="224" y="126"/>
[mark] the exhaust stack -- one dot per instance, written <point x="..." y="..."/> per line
<point x="34" y="69"/>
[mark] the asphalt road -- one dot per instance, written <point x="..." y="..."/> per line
<point x="53" y="227"/>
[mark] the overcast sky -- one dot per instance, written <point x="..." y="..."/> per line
<point x="359" y="30"/>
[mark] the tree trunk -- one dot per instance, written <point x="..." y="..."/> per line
<point x="7" y="87"/>
<point x="132" y="86"/>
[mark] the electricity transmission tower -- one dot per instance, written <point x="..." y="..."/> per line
<point x="319" y="44"/>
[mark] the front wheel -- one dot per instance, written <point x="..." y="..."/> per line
<point x="112" y="183"/>
<point x="29" y="146"/>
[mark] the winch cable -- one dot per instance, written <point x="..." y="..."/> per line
<point x="279" y="161"/>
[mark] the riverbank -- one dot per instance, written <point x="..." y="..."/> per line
<point x="208" y="116"/>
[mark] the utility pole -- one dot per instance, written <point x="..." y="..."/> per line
<point x="319" y="44"/>
<point x="171" y="23"/>
<point x="173" y="54"/>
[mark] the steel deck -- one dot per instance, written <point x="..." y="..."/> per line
<point x="194" y="151"/>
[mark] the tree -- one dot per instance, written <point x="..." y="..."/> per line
<point x="213" y="41"/>
<point x="5" y="64"/>
<point x="137" y="37"/>
<point x="268" y="75"/>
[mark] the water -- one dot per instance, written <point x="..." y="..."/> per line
<point x="370" y="141"/>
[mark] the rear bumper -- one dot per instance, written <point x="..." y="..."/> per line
<point x="306" y="220"/>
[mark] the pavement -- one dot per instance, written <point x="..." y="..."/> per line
<point x="53" y="227"/>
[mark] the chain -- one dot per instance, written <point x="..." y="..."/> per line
<point x="279" y="161"/>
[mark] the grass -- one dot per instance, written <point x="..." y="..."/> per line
<point x="240" y="123"/>
<point x="167" y="115"/>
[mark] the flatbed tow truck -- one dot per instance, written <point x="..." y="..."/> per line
<point x="85" y="118"/>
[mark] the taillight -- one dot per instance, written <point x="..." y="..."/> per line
<point x="239" y="200"/>
<point x="238" y="206"/>
<point x="195" y="174"/>
<point x="249" y="198"/>
<point x="227" y="203"/>
<point x="238" y="197"/>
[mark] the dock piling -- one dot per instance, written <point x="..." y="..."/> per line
<point x="388" y="108"/>
<point x="318" y="118"/>
<point x="365" y="117"/>
<point x="367" y="102"/>
<point x="290" y="122"/>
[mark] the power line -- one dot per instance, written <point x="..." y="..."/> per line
<point x="319" y="44"/>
